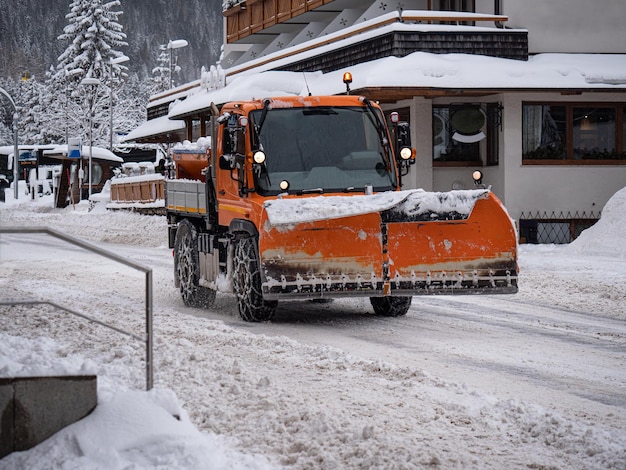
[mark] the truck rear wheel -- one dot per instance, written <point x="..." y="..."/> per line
<point x="247" y="283"/>
<point x="187" y="267"/>
<point x="391" y="306"/>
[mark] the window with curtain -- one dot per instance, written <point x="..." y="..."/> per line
<point x="573" y="133"/>
<point x="544" y="129"/>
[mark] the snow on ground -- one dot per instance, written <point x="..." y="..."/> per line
<point x="225" y="397"/>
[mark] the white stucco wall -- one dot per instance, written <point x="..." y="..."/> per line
<point x="553" y="188"/>
<point x="561" y="189"/>
<point x="570" y="25"/>
<point x="422" y="139"/>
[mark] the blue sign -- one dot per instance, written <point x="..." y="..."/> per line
<point x="73" y="147"/>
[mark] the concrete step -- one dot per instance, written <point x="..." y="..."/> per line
<point x="34" y="408"/>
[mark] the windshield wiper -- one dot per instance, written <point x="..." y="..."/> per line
<point x="369" y="189"/>
<point x="311" y="190"/>
<point x="257" y="127"/>
<point x="266" y="106"/>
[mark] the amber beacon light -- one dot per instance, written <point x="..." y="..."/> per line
<point x="347" y="79"/>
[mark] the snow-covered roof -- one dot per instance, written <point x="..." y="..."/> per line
<point x="179" y="92"/>
<point x="542" y="71"/>
<point x="53" y="150"/>
<point x="247" y="87"/>
<point x="423" y="70"/>
<point x="9" y="149"/>
<point x="60" y="151"/>
<point x="160" y="125"/>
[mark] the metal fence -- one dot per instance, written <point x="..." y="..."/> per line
<point x="553" y="227"/>
<point x="147" y="340"/>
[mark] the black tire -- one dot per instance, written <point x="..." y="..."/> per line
<point x="247" y="283"/>
<point x="187" y="267"/>
<point x="391" y="306"/>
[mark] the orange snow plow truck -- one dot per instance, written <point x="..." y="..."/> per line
<point x="300" y="198"/>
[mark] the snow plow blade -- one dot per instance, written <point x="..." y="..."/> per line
<point x="399" y="243"/>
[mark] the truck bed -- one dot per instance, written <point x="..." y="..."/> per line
<point x="185" y="197"/>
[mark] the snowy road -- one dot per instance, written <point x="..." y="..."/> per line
<point x="564" y="360"/>
<point x="534" y="379"/>
<point x="572" y="361"/>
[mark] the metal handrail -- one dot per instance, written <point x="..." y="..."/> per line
<point x="148" y="340"/>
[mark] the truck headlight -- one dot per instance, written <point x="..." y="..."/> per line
<point x="477" y="176"/>
<point x="406" y="153"/>
<point x="259" y="157"/>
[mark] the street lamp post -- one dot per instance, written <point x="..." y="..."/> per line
<point x="68" y="75"/>
<point x="16" y="156"/>
<point x="92" y="83"/>
<point x="171" y="45"/>
<point x="112" y="62"/>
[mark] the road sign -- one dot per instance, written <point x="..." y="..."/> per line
<point x="73" y="147"/>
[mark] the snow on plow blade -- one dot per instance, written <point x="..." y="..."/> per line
<point x="399" y="243"/>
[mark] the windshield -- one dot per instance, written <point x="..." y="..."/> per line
<point x="322" y="149"/>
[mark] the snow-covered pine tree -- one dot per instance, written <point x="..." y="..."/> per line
<point x="6" y="111"/>
<point x="30" y="106"/>
<point x="64" y="112"/>
<point x="160" y="74"/>
<point x="130" y="109"/>
<point x="94" y="36"/>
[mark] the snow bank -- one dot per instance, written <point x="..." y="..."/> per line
<point x="123" y="227"/>
<point x="608" y="236"/>
<point x="128" y="428"/>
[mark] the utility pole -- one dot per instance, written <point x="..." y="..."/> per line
<point x="92" y="84"/>
<point x="16" y="153"/>
<point x="171" y="45"/>
<point x="117" y="60"/>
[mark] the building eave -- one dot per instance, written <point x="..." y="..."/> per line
<point x="393" y="94"/>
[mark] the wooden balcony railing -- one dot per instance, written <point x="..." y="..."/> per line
<point x="252" y="16"/>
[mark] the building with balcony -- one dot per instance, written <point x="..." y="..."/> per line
<point x="531" y="93"/>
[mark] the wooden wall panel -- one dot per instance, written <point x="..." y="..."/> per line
<point x="232" y="28"/>
<point x="283" y="10"/>
<point x="298" y="7"/>
<point x="269" y="13"/>
<point x="256" y="17"/>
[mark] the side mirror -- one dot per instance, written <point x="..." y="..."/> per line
<point x="226" y="162"/>
<point x="403" y="134"/>
<point x="404" y="152"/>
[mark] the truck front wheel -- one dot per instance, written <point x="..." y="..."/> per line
<point x="187" y="267"/>
<point x="247" y="283"/>
<point x="391" y="306"/>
